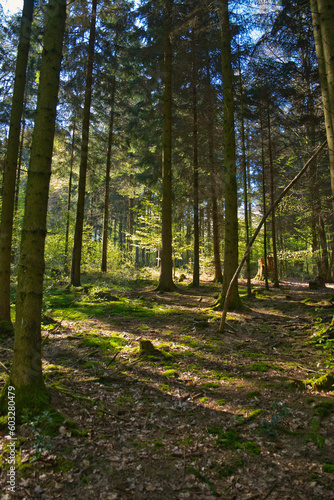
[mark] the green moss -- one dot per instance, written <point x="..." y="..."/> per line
<point x="203" y="400"/>
<point x="328" y="468"/>
<point x="113" y="342"/>
<point x="317" y="439"/>
<point x="65" y="465"/>
<point x="221" y="402"/>
<point x="210" y="385"/>
<point x="170" y="373"/>
<point x="165" y="387"/>
<point x="252" y="448"/>
<point x="31" y="397"/>
<point x="323" y="409"/>
<point x="259" y="366"/>
<point x="253" y="394"/>
<point x="226" y="439"/>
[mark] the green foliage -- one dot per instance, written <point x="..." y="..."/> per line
<point x="260" y="366"/>
<point x="275" y="419"/>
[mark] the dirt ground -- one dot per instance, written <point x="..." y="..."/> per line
<point x="205" y="416"/>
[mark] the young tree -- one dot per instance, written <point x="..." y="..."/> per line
<point x="26" y="373"/>
<point x="8" y="193"/>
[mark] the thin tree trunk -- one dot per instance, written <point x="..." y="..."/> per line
<point x="264" y="210"/>
<point x="9" y="180"/>
<point x="244" y="170"/>
<point x="69" y="197"/>
<point x="77" y="245"/>
<point x="195" y="281"/>
<point x="166" y="271"/>
<point x="107" y="189"/>
<point x="26" y="373"/>
<point x="18" y="177"/>
<point x="272" y="196"/>
<point x="213" y="172"/>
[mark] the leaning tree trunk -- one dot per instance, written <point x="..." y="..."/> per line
<point x="8" y="191"/>
<point x="79" y="223"/>
<point x="231" y="191"/>
<point x="26" y="373"/>
<point x="166" y="271"/>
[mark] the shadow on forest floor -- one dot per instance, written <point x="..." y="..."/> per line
<point x="204" y="416"/>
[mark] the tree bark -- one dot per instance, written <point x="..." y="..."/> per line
<point x="195" y="281"/>
<point x="107" y="189"/>
<point x="26" y="372"/>
<point x="166" y="271"/>
<point x="272" y="198"/>
<point x="69" y="197"/>
<point x="231" y="196"/>
<point x="9" y="182"/>
<point x="323" y="26"/>
<point x="78" y="232"/>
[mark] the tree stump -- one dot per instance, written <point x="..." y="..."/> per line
<point x="146" y="347"/>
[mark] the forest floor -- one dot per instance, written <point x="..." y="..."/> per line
<point x="205" y="416"/>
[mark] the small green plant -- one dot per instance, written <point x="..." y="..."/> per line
<point x="165" y="387"/>
<point x="41" y="425"/>
<point x="276" y="417"/>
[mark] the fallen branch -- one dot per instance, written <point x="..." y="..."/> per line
<point x="264" y="218"/>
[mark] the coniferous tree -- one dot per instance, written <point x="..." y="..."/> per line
<point x="166" y="275"/>
<point x="8" y="190"/>
<point x="231" y="192"/>
<point x="77" y="245"/>
<point x="26" y="372"/>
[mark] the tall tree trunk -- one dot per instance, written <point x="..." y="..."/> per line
<point x="69" y="197"/>
<point x="77" y="245"/>
<point x="323" y="27"/>
<point x="264" y="209"/>
<point x="18" y="177"/>
<point x="8" y="188"/>
<point x="244" y="170"/>
<point x="272" y="196"/>
<point x="195" y="281"/>
<point x="231" y="192"/>
<point x="213" y="173"/>
<point x="107" y="189"/>
<point x="26" y="373"/>
<point x="166" y="271"/>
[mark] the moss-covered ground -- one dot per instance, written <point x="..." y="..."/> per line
<point x="203" y="415"/>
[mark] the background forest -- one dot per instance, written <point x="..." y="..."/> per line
<point x="143" y="145"/>
<point x="278" y="122"/>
